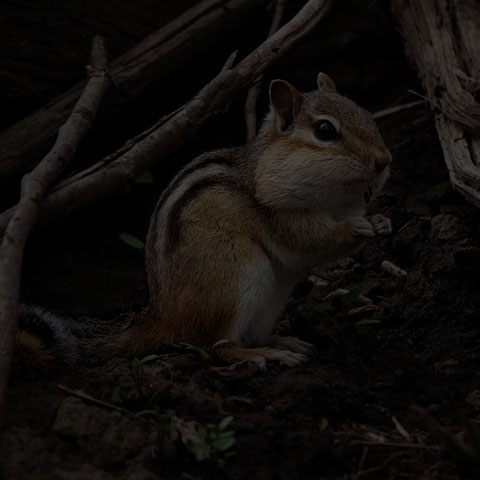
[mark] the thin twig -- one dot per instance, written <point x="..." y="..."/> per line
<point x="396" y="109"/>
<point x="85" y="396"/>
<point x="398" y="445"/>
<point x="250" y="109"/>
<point x="362" y="460"/>
<point x="148" y="63"/>
<point x="466" y="454"/>
<point x="34" y="187"/>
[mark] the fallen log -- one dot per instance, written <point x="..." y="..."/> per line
<point x="150" y="62"/>
<point x="442" y="37"/>
<point x="118" y="171"/>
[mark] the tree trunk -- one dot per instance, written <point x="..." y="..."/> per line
<point x="443" y="37"/>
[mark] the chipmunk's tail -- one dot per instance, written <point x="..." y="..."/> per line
<point x="47" y="341"/>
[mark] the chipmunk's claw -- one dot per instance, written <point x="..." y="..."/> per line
<point x="381" y="225"/>
<point x="293" y="344"/>
<point x="362" y="227"/>
<point x="372" y="226"/>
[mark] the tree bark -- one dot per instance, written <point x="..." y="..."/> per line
<point x="150" y="62"/>
<point x="443" y="38"/>
<point x="34" y="187"/>
<point x="117" y="172"/>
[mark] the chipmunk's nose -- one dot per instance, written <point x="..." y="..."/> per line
<point x="383" y="161"/>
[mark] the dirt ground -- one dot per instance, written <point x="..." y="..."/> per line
<point x="395" y="358"/>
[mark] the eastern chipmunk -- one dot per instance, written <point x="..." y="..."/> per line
<point x="237" y="228"/>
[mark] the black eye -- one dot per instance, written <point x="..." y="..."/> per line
<point x="325" y="130"/>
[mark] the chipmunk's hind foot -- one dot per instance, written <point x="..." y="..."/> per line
<point x="293" y="344"/>
<point x="231" y="353"/>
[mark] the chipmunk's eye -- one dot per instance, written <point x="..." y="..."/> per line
<point x="325" y="130"/>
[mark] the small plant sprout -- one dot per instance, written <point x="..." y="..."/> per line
<point x="137" y="370"/>
<point x="161" y="421"/>
<point x="324" y="307"/>
<point x="132" y="241"/>
<point x="322" y="425"/>
<point x="203" y="354"/>
<point x="117" y="397"/>
<point x="351" y="296"/>
<point x="213" y="444"/>
<point x="145" y="178"/>
<point x="367" y="321"/>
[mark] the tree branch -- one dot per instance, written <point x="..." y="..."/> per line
<point x="34" y="187"/>
<point x="250" y="109"/>
<point x="148" y="63"/>
<point x="118" y="171"/>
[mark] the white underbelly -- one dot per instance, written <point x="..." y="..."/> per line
<point x="262" y="297"/>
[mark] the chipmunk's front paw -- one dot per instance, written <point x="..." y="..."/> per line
<point x="369" y="227"/>
<point x="381" y="225"/>
<point x="362" y="227"/>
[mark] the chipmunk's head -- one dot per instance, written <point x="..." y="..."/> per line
<point x="322" y="152"/>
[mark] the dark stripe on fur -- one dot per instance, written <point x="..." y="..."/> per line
<point x="32" y="322"/>
<point x="174" y="221"/>
<point x="188" y="170"/>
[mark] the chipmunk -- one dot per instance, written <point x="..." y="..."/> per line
<point x="237" y="228"/>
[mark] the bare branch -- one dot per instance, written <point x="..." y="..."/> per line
<point x="89" y="398"/>
<point x="397" y="108"/>
<point x="149" y="62"/>
<point x="250" y="109"/>
<point x="34" y="187"/>
<point x="118" y="171"/>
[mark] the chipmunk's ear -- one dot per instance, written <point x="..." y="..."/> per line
<point x="325" y="82"/>
<point x="285" y="100"/>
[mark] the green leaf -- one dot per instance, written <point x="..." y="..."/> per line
<point x="323" y="424"/>
<point x="200" y="352"/>
<point x="367" y="321"/>
<point x="220" y="342"/>
<point x="136" y="363"/>
<point x="351" y="296"/>
<point x="223" y="443"/>
<point x="196" y="440"/>
<point x="116" y="397"/>
<point x="202" y="448"/>
<point x="131" y="240"/>
<point x="145" y="177"/>
<point x="225" y="423"/>
<point x="146" y="412"/>
<point x="323" y="307"/>
<point x="148" y="358"/>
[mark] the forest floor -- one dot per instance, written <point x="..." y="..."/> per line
<point x="357" y="408"/>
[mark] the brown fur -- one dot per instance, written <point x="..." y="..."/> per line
<point x="30" y="354"/>
<point x="203" y="306"/>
